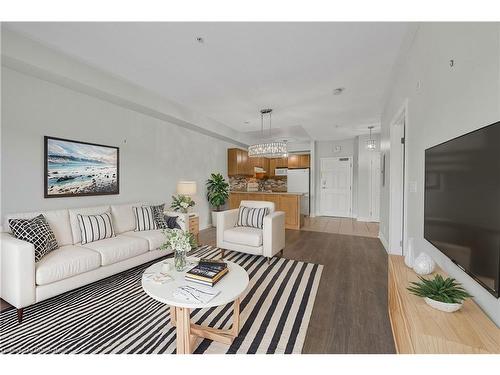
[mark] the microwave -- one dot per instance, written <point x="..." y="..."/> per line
<point x="281" y="171"/>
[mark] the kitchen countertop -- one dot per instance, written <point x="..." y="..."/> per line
<point x="266" y="192"/>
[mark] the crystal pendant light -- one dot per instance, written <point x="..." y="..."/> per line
<point x="370" y="144"/>
<point x="272" y="149"/>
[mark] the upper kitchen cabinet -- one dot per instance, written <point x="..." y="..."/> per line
<point x="238" y="163"/>
<point x="277" y="163"/>
<point x="260" y="162"/>
<point x="296" y="161"/>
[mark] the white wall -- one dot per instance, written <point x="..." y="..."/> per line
<point x="364" y="191"/>
<point x="155" y="156"/>
<point x="443" y="102"/>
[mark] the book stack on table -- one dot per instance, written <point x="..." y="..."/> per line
<point x="207" y="272"/>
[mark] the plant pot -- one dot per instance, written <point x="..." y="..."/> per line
<point x="214" y="217"/>
<point x="443" y="306"/>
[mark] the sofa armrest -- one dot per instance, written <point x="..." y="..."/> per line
<point x="273" y="233"/>
<point x="182" y="219"/>
<point x="17" y="265"/>
<point x="225" y="219"/>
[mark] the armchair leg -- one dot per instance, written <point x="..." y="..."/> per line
<point x="268" y="260"/>
<point x="222" y="253"/>
<point x="281" y="253"/>
<point x="20" y="315"/>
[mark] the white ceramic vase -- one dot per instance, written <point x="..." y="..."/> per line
<point x="423" y="264"/>
<point x="443" y="306"/>
<point x="410" y="254"/>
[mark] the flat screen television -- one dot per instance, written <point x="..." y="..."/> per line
<point x="462" y="203"/>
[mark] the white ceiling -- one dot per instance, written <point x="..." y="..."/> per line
<point x="243" y="67"/>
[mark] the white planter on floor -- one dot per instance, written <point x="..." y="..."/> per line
<point x="214" y="218"/>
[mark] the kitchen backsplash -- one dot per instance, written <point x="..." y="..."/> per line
<point x="240" y="183"/>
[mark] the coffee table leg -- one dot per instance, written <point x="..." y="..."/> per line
<point x="173" y="319"/>
<point x="183" y="330"/>
<point x="236" y="317"/>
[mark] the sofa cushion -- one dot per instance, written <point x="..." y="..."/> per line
<point x="36" y="231"/>
<point x="123" y="217"/>
<point x="244" y="236"/>
<point x="95" y="227"/>
<point x="67" y="261"/>
<point x="75" y="226"/>
<point x="118" y="248"/>
<point x="155" y="238"/>
<point x="57" y="219"/>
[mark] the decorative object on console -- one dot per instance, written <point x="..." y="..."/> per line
<point x="410" y="253"/>
<point x="180" y="242"/>
<point x="144" y="218"/>
<point x="36" y="231"/>
<point x="217" y="194"/>
<point x="423" y="264"/>
<point x="74" y="168"/>
<point x="181" y="203"/>
<point x="95" y="227"/>
<point x="442" y="294"/>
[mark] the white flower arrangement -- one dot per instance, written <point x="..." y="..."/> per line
<point x="177" y="240"/>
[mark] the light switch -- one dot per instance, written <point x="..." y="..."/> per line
<point x="412" y="186"/>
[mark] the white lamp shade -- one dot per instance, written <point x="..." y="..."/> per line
<point x="186" y="187"/>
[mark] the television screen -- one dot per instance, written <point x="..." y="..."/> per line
<point x="462" y="203"/>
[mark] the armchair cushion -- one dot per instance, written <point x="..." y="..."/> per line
<point x="244" y="236"/>
<point x="252" y="217"/>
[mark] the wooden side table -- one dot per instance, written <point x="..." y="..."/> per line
<point x="194" y="226"/>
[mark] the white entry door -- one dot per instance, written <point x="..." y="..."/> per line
<point x="336" y="187"/>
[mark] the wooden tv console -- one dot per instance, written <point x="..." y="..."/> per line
<point x="419" y="329"/>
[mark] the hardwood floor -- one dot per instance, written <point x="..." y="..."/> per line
<point x="341" y="225"/>
<point x="350" y="312"/>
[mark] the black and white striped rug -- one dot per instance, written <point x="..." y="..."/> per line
<point x="114" y="315"/>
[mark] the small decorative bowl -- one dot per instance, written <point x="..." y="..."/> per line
<point x="443" y="306"/>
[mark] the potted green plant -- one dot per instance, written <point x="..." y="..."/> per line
<point x="217" y="194"/>
<point x="440" y="293"/>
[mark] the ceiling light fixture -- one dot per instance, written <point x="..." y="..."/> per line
<point x="370" y="143"/>
<point x="273" y="149"/>
<point x="199" y="39"/>
<point x="338" y="90"/>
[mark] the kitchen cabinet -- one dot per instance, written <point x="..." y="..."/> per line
<point x="277" y="163"/>
<point x="296" y="161"/>
<point x="238" y="163"/>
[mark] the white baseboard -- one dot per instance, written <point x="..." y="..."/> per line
<point x="384" y="241"/>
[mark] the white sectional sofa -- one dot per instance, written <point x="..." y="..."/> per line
<point x="24" y="282"/>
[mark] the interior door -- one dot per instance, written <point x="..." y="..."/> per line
<point x="336" y="187"/>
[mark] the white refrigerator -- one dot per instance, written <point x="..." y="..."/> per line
<point x="298" y="182"/>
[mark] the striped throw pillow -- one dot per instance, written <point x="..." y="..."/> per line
<point x="144" y="219"/>
<point x="95" y="227"/>
<point x="251" y="217"/>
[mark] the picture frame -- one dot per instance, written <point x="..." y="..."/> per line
<point x="75" y="168"/>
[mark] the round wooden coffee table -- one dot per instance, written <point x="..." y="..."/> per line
<point x="231" y="287"/>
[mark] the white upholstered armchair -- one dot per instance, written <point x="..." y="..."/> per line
<point x="267" y="241"/>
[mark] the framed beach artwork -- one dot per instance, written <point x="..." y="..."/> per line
<point x="74" y="168"/>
